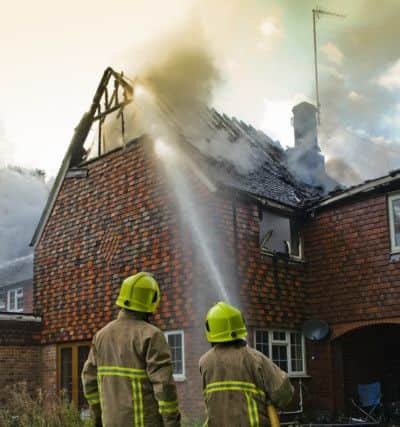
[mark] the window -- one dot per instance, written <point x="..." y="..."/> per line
<point x="394" y="221"/>
<point x="285" y="348"/>
<point x="2" y="300"/>
<point x="280" y="234"/>
<point x="15" y="300"/>
<point x="70" y="361"/>
<point x="175" y="340"/>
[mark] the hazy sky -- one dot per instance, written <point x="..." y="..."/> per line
<point x="53" y="55"/>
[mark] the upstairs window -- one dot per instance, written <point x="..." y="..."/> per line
<point x="176" y="343"/>
<point x="3" y="301"/>
<point x="285" y="348"/>
<point x="394" y="221"/>
<point x="280" y="234"/>
<point x="15" y="300"/>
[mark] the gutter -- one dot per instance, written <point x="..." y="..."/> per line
<point x="20" y="317"/>
<point x="362" y="189"/>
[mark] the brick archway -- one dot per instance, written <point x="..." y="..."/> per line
<point x="339" y="330"/>
<point x="367" y="352"/>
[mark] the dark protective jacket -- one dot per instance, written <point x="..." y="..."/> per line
<point x="127" y="378"/>
<point x="238" y="383"/>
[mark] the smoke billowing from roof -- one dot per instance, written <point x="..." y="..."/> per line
<point x="175" y="83"/>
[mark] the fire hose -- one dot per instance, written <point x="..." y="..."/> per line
<point x="273" y="416"/>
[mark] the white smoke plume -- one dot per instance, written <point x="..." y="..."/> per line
<point x="360" y="109"/>
<point x="23" y="194"/>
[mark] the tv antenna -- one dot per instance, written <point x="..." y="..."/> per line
<point x="316" y="15"/>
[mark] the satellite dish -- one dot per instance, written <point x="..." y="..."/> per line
<point x="315" y="330"/>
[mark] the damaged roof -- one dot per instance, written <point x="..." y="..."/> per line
<point x="269" y="179"/>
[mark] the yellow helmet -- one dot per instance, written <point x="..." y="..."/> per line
<point x="224" y="323"/>
<point x="139" y="293"/>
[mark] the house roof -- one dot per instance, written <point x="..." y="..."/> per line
<point x="268" y="177"/>
<point x="362" y="188"/>
<point x="16" y="271"/>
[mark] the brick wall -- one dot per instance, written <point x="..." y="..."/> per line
<point x="274" y="289"/>
<point x="352" y="281"/>
<point x="48" y="369"/>
<point x="19" y="356"/>
<point x="351" y="274"/>
<point x="123" y="218"/>
<point x="114" y="223"/>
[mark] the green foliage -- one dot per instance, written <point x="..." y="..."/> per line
<point x="192" y="422"/>
<point x="24" y="410"/>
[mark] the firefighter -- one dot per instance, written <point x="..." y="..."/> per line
<point x="127" y="378"/>
<point x="238" y="381"/>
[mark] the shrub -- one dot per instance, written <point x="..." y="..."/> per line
<point x="24" y="410"/>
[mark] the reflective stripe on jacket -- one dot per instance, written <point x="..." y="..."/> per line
<point x="127" y="378"/>
<point x="238" y="382"/>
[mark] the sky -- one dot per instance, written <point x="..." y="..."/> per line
<point x="54" y="53"/>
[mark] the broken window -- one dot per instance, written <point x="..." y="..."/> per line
<point x="15" y="300"/>
<point x="394" y="221"/>
<point x="176" y="343"/>
<point x="285" y="348"/>
<point x="280" y="234"/>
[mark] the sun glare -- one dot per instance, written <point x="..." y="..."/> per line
<point x="162" y="148"/>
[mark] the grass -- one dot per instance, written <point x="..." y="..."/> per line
<point x="25" y="410"/>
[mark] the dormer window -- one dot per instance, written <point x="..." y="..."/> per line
<point x="280" y="234"/>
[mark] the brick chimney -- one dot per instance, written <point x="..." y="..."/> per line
<point x="305" y="126"/>
<point x="305" y="160"/>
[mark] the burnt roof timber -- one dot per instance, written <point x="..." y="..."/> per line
<point x="76" y="146"/>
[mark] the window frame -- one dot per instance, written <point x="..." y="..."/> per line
<point x="394" y="249"/>
<point x="265" y="250"/>
<point x="76" y="377"/>
<point x="16" y="291"/>
<point x="287" y="343"/>
<point x="182" y="376"/>
<point x="3" y="301"/>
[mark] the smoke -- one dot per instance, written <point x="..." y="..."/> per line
<point x="180" y="70"/>
<point x="174" y="85"/>
<point x="23" y="194"/>
<point x="360" y="110"/>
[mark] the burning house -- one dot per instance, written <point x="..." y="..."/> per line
<point x="216" y="211"/>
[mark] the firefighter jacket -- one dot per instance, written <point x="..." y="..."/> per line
<point x="127" y="378"/>
<point x="238" y="383"/>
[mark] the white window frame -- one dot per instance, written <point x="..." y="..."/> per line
<point x="3" y="300"/>
<point x="181" y="376"/>
<point x="393" y="247"/>
<point x="16" y="291"/>
<point x="286" y="342"/>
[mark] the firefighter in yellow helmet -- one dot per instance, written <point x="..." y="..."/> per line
<point x="238" y="381"/>
<point x="127" y="378"/>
